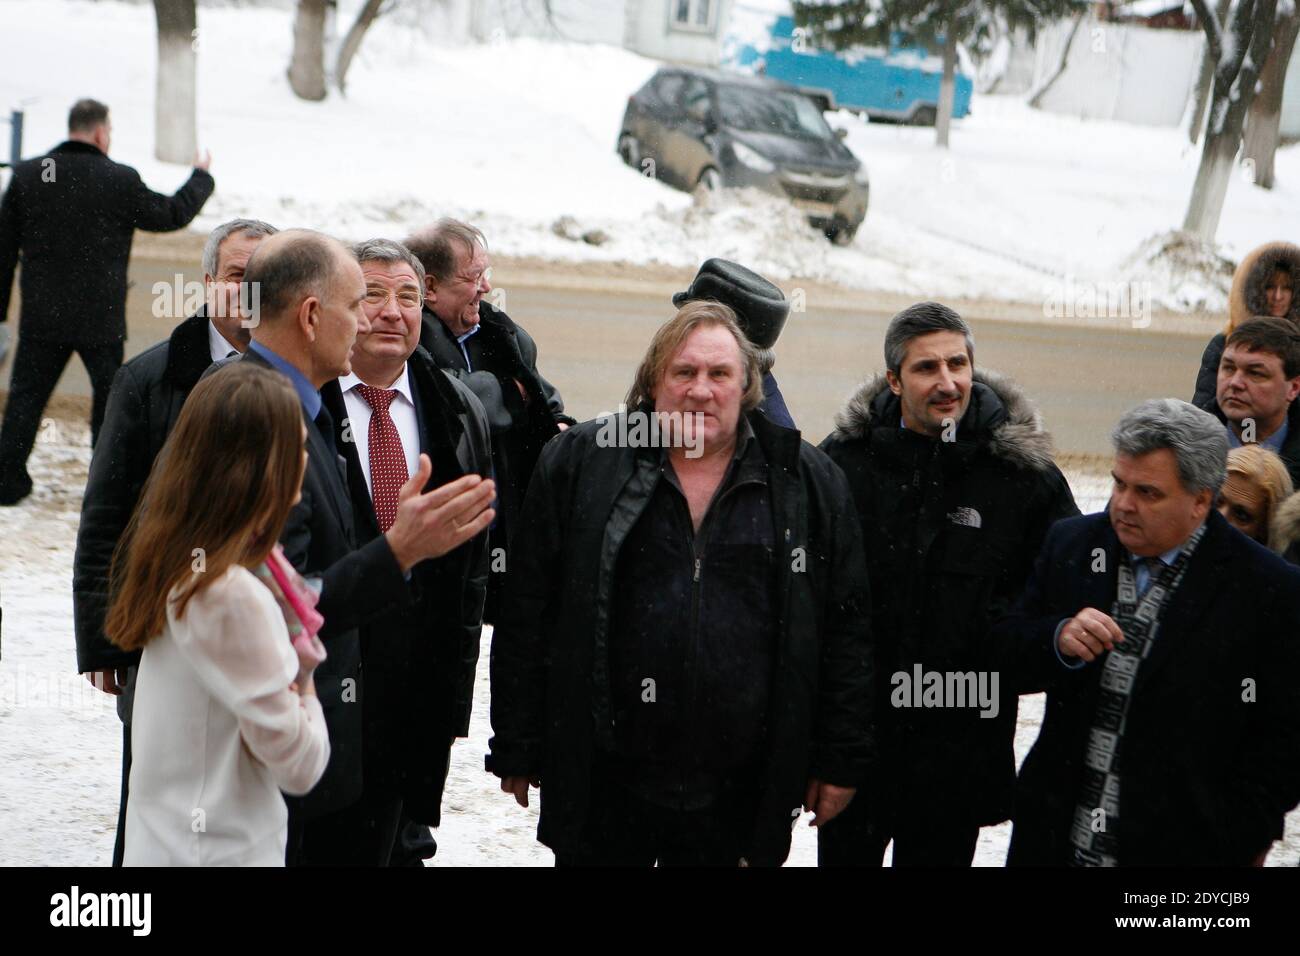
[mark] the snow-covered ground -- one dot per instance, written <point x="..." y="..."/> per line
<point x="61" y="742"/>
<point x="518" y="133"/>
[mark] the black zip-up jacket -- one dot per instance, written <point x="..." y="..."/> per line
<point x="951" y="530"/>
<point x="551" y="674"/>
<point x="695" y="615"/>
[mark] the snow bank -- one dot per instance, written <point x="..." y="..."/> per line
<point x="518" y="133"/>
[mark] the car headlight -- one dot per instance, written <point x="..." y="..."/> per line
<point x="860" y="175"/>
<point x="752" y="158"/>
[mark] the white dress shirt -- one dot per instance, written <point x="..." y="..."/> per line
<point x="217" y="734"/>
<point x="217" y="344"/>
<point x="402" y="411"/>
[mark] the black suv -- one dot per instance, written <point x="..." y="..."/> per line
<point x="704" y="129"/>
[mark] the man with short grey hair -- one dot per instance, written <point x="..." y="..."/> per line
<point x="1165" y="640"/>
<point x="955" y="487"/>
<point x="146" y="399"/>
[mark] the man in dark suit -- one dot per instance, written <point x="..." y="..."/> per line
<point x="1166" y="642"/>
<point x="419" y="661"/>
<point x="480" y="345"/>
<point x="145" y="401"/>
<point x="310" y="292"/>
<point x="71" y="215"/>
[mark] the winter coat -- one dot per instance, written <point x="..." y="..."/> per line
<point x="1246" y="301"/>
<point x="951" y="530"/>
<point x="418" y="661"/>
<point x="551" y="694"/>
<point x="72" y="215"/>
<point x="1211" y="749"/>
<point x="143" y="405"/>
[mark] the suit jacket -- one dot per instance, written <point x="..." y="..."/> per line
<point x="358" y="581"/>
<point x="1211" y="750"/>
<point x="72" y="215"/>
<point x="143" y="406"/>
<point x="419" y="660"/>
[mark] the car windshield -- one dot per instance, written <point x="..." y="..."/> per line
<point x="771" y="111"/>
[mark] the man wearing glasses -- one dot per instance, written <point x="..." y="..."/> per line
<point x="480" y="345"/>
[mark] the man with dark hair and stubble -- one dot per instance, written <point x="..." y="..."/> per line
<point x="70" y="217"/>
<point x="145" y="402"/>
<point x="1259" y="379"/>
<point x="309" y="293"/>
<point x="955" y="486"/>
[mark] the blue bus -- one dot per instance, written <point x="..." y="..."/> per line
<point x="901" y="85"/>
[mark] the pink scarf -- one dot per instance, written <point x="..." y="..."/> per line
<point x="297" y="598"/>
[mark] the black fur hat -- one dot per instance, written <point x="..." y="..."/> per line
<point x="759" y="305"/>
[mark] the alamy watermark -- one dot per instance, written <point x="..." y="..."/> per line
<point x="641" y="429"/>
<point x="947" y="689"/>
<point x="1071" y="299"/>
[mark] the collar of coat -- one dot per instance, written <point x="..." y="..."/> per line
<point x="1000" y="417"/>
<point x="188" y="354"/>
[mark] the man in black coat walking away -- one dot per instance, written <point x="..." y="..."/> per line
<point x="1166" y="642"/>
<point x="954" y="483"/>
<point x="683" y="657"/>
<point x="146" y="399"/>
<point x="71" y="215"/>
<point x="480" y="345"/>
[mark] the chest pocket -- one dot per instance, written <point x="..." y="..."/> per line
<point x="976" y="551"/>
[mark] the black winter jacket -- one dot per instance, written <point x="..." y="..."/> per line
<point x="951" y="531"/>
<point x="72" y="215"/>
<point x="143" y="405"/>
<point x="551" y="700"/>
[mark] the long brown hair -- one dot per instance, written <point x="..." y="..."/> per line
<point x="218" y="495"/>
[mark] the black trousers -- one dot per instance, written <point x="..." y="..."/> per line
<point x="623" y="829"/>
<point x="37" y="367"/>
<point x="858" y="837"/>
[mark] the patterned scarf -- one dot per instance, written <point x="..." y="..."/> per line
<point x="1139" y="619"/>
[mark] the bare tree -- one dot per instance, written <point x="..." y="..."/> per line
<point x="1264" y="118"/>
<point x="352" y="42"/>
<point x="175" y="91"/>
<point x="307" y="67"/>
<point x="1196" y="120"/>
<point x="1237" y="52"/>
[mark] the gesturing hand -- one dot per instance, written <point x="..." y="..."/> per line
<point x="431" y="524"/>
<point x="1088" y="635"/>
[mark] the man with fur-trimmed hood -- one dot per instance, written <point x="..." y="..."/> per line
<point x="955" y="487"/>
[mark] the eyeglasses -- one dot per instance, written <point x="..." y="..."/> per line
<point x="406" y="298"/>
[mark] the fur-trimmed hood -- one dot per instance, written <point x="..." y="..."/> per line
<point x="1246" y="300"/>
<point x="1000" y="416"/>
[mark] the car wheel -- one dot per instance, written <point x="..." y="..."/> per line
<point x="925" y="116"/>
<point x="630" y="150"/>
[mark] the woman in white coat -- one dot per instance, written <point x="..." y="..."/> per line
<point x="226" y="715"/>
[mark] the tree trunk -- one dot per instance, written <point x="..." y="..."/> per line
<point x="1197" y="117"/>
<point x="1232" y="97"/>
<point x="1036" y="97"/>
<point x="1264" y="118"/>
<point x="947" y="87"/>
<point x="175" y="92"/>
<point x="307" y="68"/>
<point x="352" y="42"/>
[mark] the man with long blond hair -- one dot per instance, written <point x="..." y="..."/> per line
<point x="683" y="659"/>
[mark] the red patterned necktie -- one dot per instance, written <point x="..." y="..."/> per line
<point x="387" y="457"/>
